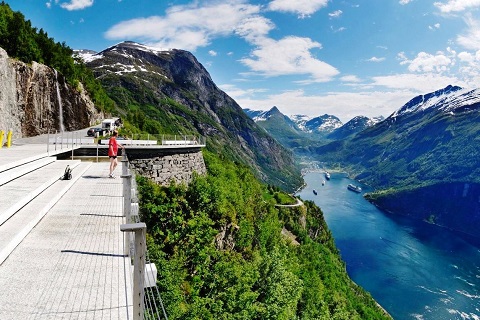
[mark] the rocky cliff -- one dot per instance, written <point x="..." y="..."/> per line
<point x="35" y="99"/>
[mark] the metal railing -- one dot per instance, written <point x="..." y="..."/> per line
<point x="144" y="288"/>
<point x="59" y="140"/>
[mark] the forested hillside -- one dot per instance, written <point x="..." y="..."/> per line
<point x="219" y="245"/>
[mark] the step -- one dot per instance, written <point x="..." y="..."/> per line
<point x="15" y="229"/>
<point x="24" y="168"/>
<point x="18" y="192"/>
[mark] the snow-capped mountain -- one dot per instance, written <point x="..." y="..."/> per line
<point x="323" y="124"/>
<point x="448" y="99"/>
<point x="357" y="124"/>
<point x="303" y="123"/>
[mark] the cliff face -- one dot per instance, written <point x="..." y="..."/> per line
<point x="36" y="99"/>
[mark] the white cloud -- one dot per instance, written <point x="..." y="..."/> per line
<point x="303" y="8"/>
<point x="212" y="53"/>
<point x="457" y="5"/>
<point x="192" y="26"/>
<point x="470" y="40"/>
<point x="289" y="56"/>
<point x="350" y="78"/>
<point x="426" y="62"/>
<point x="434" y="27"/>
<point x="470" y="67"/>
<point x="254" y="29"/>
<point x="338" y="30"/>
<point x="48" y="4"/>
<point x="420" y="83"/>
<point x="76" y="4"/>
<point x="404" y="2"/>
<point x="335" y="14"/>
<point x="237" y="93"/>
<point x="468" y="57"/>
<point x="375" y="59"/>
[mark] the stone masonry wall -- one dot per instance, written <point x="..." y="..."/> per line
<point x="178" y="167"/>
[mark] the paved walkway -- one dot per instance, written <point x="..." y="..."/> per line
<point x="72" y="264"/>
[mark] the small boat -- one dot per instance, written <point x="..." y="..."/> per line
<point x="327" y="175"/>
<point x="354" y="188"/>
<point x="314" y="192"/>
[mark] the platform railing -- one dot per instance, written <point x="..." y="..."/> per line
<point x="144" y="288"/>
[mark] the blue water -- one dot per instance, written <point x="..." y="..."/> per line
<point x="413" y="269"/>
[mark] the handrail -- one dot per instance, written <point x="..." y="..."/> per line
<point x="68" y="139"/>
<point x="145" y="273"/>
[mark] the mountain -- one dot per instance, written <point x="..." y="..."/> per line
<point x="171" y="92"/>
<point x="424" y="155"/>
<point x="322" y="124"/>
<point x="353" y="126"/>
<point x="279" y="126"/>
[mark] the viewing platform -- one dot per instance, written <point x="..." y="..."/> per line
<point x="63" y="242"/>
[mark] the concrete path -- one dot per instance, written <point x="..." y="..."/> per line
<point x="72" y="264"/>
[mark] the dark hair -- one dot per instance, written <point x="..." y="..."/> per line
<point x="115" y="133"/>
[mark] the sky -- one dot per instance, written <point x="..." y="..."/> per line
<point x="313" y="57"/>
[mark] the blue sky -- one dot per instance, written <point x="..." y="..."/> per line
<point x="345" y="58"/>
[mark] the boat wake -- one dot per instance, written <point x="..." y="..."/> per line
<point x="468" y="295"/>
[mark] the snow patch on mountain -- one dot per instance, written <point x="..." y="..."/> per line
<point x="87" y="55"/>
<point x="300" y="120"/>
<point x="446" y="100"/>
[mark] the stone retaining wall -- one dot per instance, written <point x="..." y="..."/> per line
<point x="178" y="167"/>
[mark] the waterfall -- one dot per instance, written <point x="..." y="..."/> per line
<point x="60" y="106"/>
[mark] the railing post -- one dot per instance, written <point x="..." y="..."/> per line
<point x="127" y="198"/>
<point x="139" y="267"/>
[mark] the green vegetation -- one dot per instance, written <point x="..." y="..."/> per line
<point x="218" y="243"/>
<point x="23" y="41"/>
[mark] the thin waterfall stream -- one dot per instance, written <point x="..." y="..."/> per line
<point x="60" y="105"/>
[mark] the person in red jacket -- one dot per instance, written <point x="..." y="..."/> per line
<point x="113" y="151"/>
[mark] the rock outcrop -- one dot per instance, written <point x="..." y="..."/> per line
<point x="35" y="99"/>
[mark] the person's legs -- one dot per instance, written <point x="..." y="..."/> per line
<point x="113" y="164"/>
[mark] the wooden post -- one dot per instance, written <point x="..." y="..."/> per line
<point x="139" y="267"/>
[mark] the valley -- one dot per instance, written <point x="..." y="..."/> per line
<point x="420" y="161"/>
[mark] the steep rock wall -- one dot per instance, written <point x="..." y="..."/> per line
<point x="36" y="99"/>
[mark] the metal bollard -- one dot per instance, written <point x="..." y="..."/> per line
<point x="9" y="138"/>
